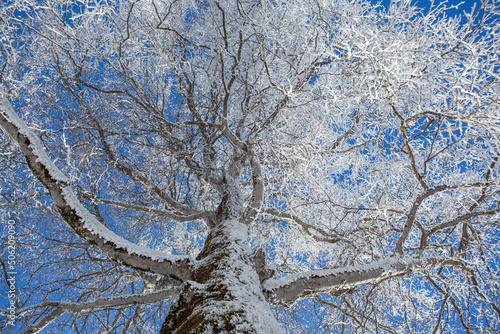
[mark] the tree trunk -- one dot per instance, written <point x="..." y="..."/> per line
<point x="226" y="296"/>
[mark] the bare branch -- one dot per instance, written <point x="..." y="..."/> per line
<point x="325" y="236"/>
<point x="409" y="151"/>
<point x="418" y="201"/>
<point x="258" y="188"/>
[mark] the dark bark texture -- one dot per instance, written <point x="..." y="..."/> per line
<point x="226" y="295"/>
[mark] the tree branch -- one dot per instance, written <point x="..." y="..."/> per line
<point x="61" y="307"/>
<point x="297" y="286"/>
<point x="258" y="188"/>
<point x="418" y="201"/>
<point x="462" y="218"/>
<point x="140" y="208"/>
<point x="76" y="215"/>
<point x="306" y="228"/>
<point x="113" y="160"/>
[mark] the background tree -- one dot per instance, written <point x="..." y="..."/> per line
<point x="219" y="165"/>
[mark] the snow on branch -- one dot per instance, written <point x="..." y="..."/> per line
<point x="63" y="307"/>
<point x="296" y="286"/>
<point x="76" y="215"/>
<point x="164" y="213"/>
<point x="320" y="235"/>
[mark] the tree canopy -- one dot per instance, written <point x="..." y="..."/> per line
<point x="249" y="166"/>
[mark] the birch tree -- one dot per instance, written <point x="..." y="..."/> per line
<point x="250" y="166"/>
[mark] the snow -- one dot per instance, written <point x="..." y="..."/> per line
<point x="244" y="291"/>
<point x="93" y="225"/>
<point x="386" y="264"/>
<point x="35" y="144"/>
<point x="236" y="273"/>
<point x="89" y="222"/>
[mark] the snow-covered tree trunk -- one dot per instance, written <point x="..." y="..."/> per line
<point x="227" y="296"/>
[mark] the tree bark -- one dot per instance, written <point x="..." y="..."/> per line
<point x="226" y="295"/>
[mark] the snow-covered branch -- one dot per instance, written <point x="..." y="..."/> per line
<point x="426" y="194"/>
<point x="75" y="214"/>
<point x="296" y="286"/>
<point x="112" y="159"/>
<point x="62" y="307"/>
<point x="140" y="208"/>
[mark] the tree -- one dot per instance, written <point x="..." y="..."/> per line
<point x="223" y="166"/>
